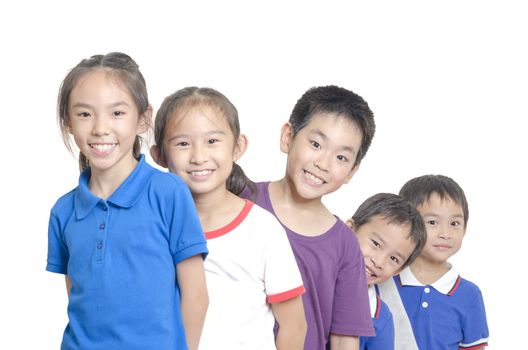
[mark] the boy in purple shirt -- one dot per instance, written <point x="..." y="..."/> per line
<point x="328" y="133"/>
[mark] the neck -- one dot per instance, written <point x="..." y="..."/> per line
<point x="217" y="209"/>
<point x="286" y="194"/>
<point x="428" y="272"/>
<point x="104" y="182"/>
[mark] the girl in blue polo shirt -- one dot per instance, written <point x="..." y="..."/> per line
<point x="251" y="272"/>
<point x="132" y="250"/>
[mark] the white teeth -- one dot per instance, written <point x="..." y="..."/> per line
<point x="105" y="147"/>
<point x="201" y="172"/>
<point x="313" y="178"/>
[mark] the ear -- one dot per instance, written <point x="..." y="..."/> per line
<point x="351" y="173"/>
<point x="286" y="137"/>
<point x="145" y="121"/>
<point x="350" y="223"/>
<point x="240" y="147"/>
<point x="155" y="154"/>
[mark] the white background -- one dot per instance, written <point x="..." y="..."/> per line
<point x="447" y="82"/>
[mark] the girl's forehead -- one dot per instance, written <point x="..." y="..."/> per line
<point x="198" y="114"/>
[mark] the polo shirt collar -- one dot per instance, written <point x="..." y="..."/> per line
<point x="124" y="196"/>
<point x="374" y="300"/>
<point x="447" y="284"/>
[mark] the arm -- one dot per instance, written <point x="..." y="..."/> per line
<point x="343" y="342"/>
<point x="68" y="284"/>
<point x="194" y="298"/>
<point x="292" y="323"/>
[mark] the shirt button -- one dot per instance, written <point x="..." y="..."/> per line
<point x="102" y="226"/>
<point x="427" y="290"/>
<point x="425" y="304"/>
<point x="99" y="245"/>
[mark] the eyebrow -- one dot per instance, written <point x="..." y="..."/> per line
<point x="324" y="137"/>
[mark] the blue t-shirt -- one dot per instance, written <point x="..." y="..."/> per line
<point x="446" y="315"/>
<point x="382" y="322"/>
<point x="120" y="255"/>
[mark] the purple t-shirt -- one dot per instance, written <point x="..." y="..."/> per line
<point x="333" y="272"/>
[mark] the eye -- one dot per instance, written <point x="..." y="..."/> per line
<point x="83" y="114"/>
<point x="182" y="144"/>
<point x="118" y="114"/>
<point x="395" y="259"/>
<point x="315" y="144"/>
<point x="342" y="158"/>
<point x="456" y="223"/>
<point x="375" y="243"/>
<point x="431" y="222"/>
<point x="212" y="141"/>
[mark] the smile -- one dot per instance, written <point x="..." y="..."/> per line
<point x="313" y="179"/>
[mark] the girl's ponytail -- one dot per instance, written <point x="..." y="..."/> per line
<point x="238" y="182"/>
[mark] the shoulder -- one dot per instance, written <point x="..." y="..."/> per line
<point x="159" y="179"/>
<point x="468" y="289"/>
<point x="65" y="204"/>
<point x="347" y="238"/>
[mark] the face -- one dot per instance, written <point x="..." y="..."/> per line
<point x="385" y="247"/>
<point x="444" y="221"/>
<point x="104" y="122"/>
<point x="200" y="147"/>
<point x="321" y="155"/>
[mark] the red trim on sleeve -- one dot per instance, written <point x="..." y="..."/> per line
<point x="478" y="346"/>
<point x="233" y="224"/>
<point x="276" y="298"/>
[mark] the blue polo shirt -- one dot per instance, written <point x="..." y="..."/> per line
<point x="382" y="322"/>
<point x="120" y="255"/>
<point x="448" y="314"/>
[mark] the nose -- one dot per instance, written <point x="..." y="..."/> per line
<point x="444" y="232"/>
<point x="322" y="162"/>
<point x="101" y="126"/>
<point x="198" y="155"/>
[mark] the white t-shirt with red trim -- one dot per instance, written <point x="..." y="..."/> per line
<point x="250" y="265"/>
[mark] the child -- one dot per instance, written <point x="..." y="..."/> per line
<point x="251" y="273"/>
<point x="444" y="310"/>
<point x="329" y="132"/>
<point x="391" y="235"/>
<point x="132" y="252"/>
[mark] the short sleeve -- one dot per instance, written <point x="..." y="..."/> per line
<point x="282" y="278"/>
<point x="351" y="310"/>
<point x="186" y="235"/>
<point x="474" y="325"/>
<point x="57" y="251"/>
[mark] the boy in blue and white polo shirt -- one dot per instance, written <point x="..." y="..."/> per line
<point x="391" y="235"/>
<point x="444" y="310"/>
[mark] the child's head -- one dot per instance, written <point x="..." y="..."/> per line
<point x="197" y="134"/>
<point x="391" y="234"/>
<point x="118" y="72"/>
<point x="328" y="134"/>
<point x="444" y="208"/>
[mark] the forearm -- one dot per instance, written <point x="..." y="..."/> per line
<point x="194" y="298"/>
<point x="343" y="342"/>
<point x="291" y="337"/>
<point x="194" y="308"/>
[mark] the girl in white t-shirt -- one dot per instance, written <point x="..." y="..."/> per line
<point x="252" y="275"/>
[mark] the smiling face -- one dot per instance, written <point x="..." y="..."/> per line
<point x="321" y="155"/>
<point x="444" y="221"/>
<point x="104" y="121"/>
<point x="200" y="147"/>
<point x="385" y="246"/>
